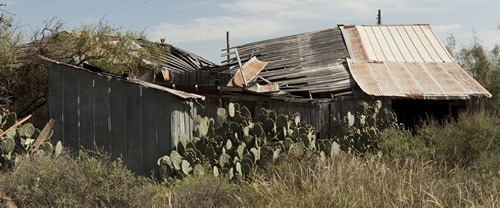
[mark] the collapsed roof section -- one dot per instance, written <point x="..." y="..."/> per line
<point x="303" y="64"/>
<point x="406" y="61"/>
<point x="172" y="60"/>
<point x="177" y="60"/>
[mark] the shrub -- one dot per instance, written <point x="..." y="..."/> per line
<point x="82" y="182"/>
<point x="396" y="143"/>
<point x="462" y="142"/>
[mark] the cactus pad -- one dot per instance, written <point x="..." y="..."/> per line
<point x="7" y="145"/>
<point x="186" y="167"/>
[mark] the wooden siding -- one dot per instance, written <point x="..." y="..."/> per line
<point x="137" y="123"/>
<point x="317" y="114"/>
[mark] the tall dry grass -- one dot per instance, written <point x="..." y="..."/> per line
<point x="456" y="165"/>
<point x="349" y="181"/>
<point x="340" y="181"/>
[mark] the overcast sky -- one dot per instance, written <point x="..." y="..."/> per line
<point x="200" y="26"/>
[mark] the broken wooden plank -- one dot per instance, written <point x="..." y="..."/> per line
<point x="248" y="73"/>
<point x="44" y="135"/>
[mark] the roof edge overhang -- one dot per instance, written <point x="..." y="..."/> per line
<point x="178" y="93"/>
<point x="432" y="82"/>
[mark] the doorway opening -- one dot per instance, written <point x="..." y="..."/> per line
<point x="413" y="112"/>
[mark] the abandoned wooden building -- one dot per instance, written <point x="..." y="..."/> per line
<point x="316" y="74"/>
<point x="128" y="118"/>
<point x="404" y="66"/>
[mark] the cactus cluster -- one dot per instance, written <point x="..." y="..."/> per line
<point x="236" y="143"/>
<point x="360" y="132"/>
<point x="18" y="140"/>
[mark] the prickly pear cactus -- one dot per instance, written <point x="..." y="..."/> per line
<point x="361" y="131"/>
<point x="17" y="140"/>
<point x="237" y="142"/>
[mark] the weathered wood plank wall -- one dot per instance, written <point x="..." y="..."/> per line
<point x="318" y="114"/>
<point x="125" y="119"/>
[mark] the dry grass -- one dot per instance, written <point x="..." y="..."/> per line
<point x="348" y="181"/>
<point x="341" y="181"/>
<point x="457" y="167"/>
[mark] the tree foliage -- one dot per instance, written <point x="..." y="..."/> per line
<point x="9" y="39"/>
<point x="24" y="79"/>
<point x="481" y="63"/>
<point x="100" y="45"/>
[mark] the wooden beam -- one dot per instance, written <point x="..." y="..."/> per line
<point x="241" y="68"/>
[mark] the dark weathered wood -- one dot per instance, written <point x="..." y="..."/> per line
<point x="86" y="109"/>
<point x="70" y="108"/>
<point x="164" y="123"/>
<point x="55" y="101"/>
<point x="118" y="120"/>
<point x="150" y="128"/>
<point x="227" y="43"/>
<point x="128" y="120"/>
<point x="133" y="106"/>
<point x="312" y="56"/>
<point x="257" y="44"/>
<point x="102" y="114"/>
<point x="44" y="135"/>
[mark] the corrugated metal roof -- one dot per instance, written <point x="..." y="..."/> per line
<point x="416" y="80"/>
<point x="406" y="61"/>
<point x="398" y="43"/>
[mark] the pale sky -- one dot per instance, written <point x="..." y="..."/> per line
<point x="200" y="26"/>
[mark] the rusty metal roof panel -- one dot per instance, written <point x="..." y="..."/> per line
<point x="393" y="46"/>
<point x="366" y="81"/>
<point x="250" y="70"/>
<point x="386" y="82"/>
<point x="403" y="79"/>
<point x="469" y="84"/>
<point x="447" y="82"/>
<point x="416" y="80"/>
<point x="353" y="42"/>
<point x="424" y="79"/>
<point x="399" y="43"/>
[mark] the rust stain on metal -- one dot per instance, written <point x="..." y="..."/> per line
<point x="416" y="80"/>
<point x="415" y="96"/>
<point x="355" y="45"/>
<point x="406" y="61"/>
